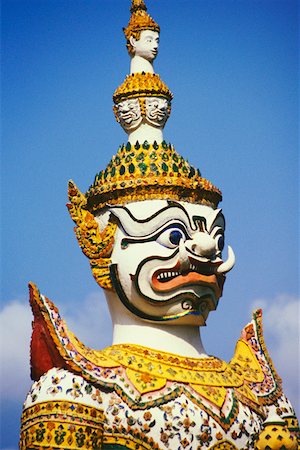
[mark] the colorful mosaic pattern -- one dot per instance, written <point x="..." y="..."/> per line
<point x="178" y="423"/>
<point x="276" y="437"/>
<point x="61" y="424"/>
<point x="150" y="399"/>
<point x="96" y="245"/>
<point x="149" y="171"/>
<point x="270" y="388"/>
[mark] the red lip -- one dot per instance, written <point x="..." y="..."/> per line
<point x="168" y="279"/>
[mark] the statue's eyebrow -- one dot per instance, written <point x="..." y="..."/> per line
<point x="171" y="204"/>
<point x="144" y="227"/>
<point x="200" y="223"/>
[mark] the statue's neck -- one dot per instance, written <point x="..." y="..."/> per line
<point x="139" y="64"/>
<point x="184" y="340"/>
<point x="144" y="133"/>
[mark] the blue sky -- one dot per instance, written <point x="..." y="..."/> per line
<point x="233" y="68"/>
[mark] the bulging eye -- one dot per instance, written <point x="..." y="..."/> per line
<point x="171" y="237"/>
<point x="220" y="242"/>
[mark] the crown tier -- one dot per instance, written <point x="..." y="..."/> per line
<point x="149" y="171"/>
<point x="142" y="85"/>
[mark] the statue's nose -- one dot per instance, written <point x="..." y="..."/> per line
<point x="202" y="244"/>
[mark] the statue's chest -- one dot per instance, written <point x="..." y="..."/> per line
<point x="179" y="418"/>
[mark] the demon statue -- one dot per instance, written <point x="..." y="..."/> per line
<point x="152" y="230"/>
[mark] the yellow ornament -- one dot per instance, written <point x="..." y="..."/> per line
<point x="275" y="436"/>
<point x="139" y="85"/>
<point x="96" y="245"/>
<point x="149" y="171"/>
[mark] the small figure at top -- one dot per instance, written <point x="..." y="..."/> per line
<point x="142" y="36"/>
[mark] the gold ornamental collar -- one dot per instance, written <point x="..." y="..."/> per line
<point x="126" y="354"/>
<point x="210" y="371"/>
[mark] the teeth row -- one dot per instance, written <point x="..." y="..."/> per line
<point x="167" y="275"/>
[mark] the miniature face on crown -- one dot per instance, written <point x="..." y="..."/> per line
<point x="128" y="113"/>
<point x="157" y="110"/>
<point x="167" y="260"/>
<point x="154" y="110"/>
<point x="146" y="46"/>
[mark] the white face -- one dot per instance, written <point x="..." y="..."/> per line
<point x="157" y="111"/>
<point x="129" y="113"/>
<point x="147" y="46"/>
<point x="166" y="258"/>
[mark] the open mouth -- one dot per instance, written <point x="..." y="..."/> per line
<point x="160" y="114"/>
<point x="167" y="279"/>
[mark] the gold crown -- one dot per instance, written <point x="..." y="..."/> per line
<point x="142" y="85"/>
<point x="139" y="20"/>
<point x="149" y="171"/>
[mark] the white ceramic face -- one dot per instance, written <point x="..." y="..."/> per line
<point x="129" y="114"/>
<point x="157" y="111"/>
<point x="147" y="46"/>
<point x="166" y="260"/>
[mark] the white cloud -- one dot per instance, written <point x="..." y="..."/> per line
<point x="281" y="324"/>
<point x="90" y="322"/>
<point x="15" y="326"/>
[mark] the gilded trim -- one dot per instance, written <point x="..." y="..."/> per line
<point x="61" y="424"/>
<point x="96" y="245"/>
<point x="129" y="442"/>
<point x="223" y="445"/>
<point x="270" y="389"/>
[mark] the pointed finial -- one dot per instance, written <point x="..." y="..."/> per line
<point x="137" y="5"/>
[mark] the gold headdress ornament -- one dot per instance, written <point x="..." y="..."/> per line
<point x="142" y="85"/>
<point x="149" y="171"/>
<point x="139" y="21"/>
<point x="96" y="245"/>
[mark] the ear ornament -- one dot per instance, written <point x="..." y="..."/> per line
<point x="96" y="245"/>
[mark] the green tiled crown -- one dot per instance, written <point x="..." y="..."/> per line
<point x="150" y="171"/>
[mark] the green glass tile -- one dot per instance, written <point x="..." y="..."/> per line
<point x="164" y="167"/>
<point x="143" y="168"/>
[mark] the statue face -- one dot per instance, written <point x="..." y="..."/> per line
<point x="147" y="46"/>
<point x="167" y="260"/>
<point x="129" y="113"/>
<point x="157" y="110"/>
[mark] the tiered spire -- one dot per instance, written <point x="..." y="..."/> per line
<point x="146" y="167"/>
<point x="142" y="104"/>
